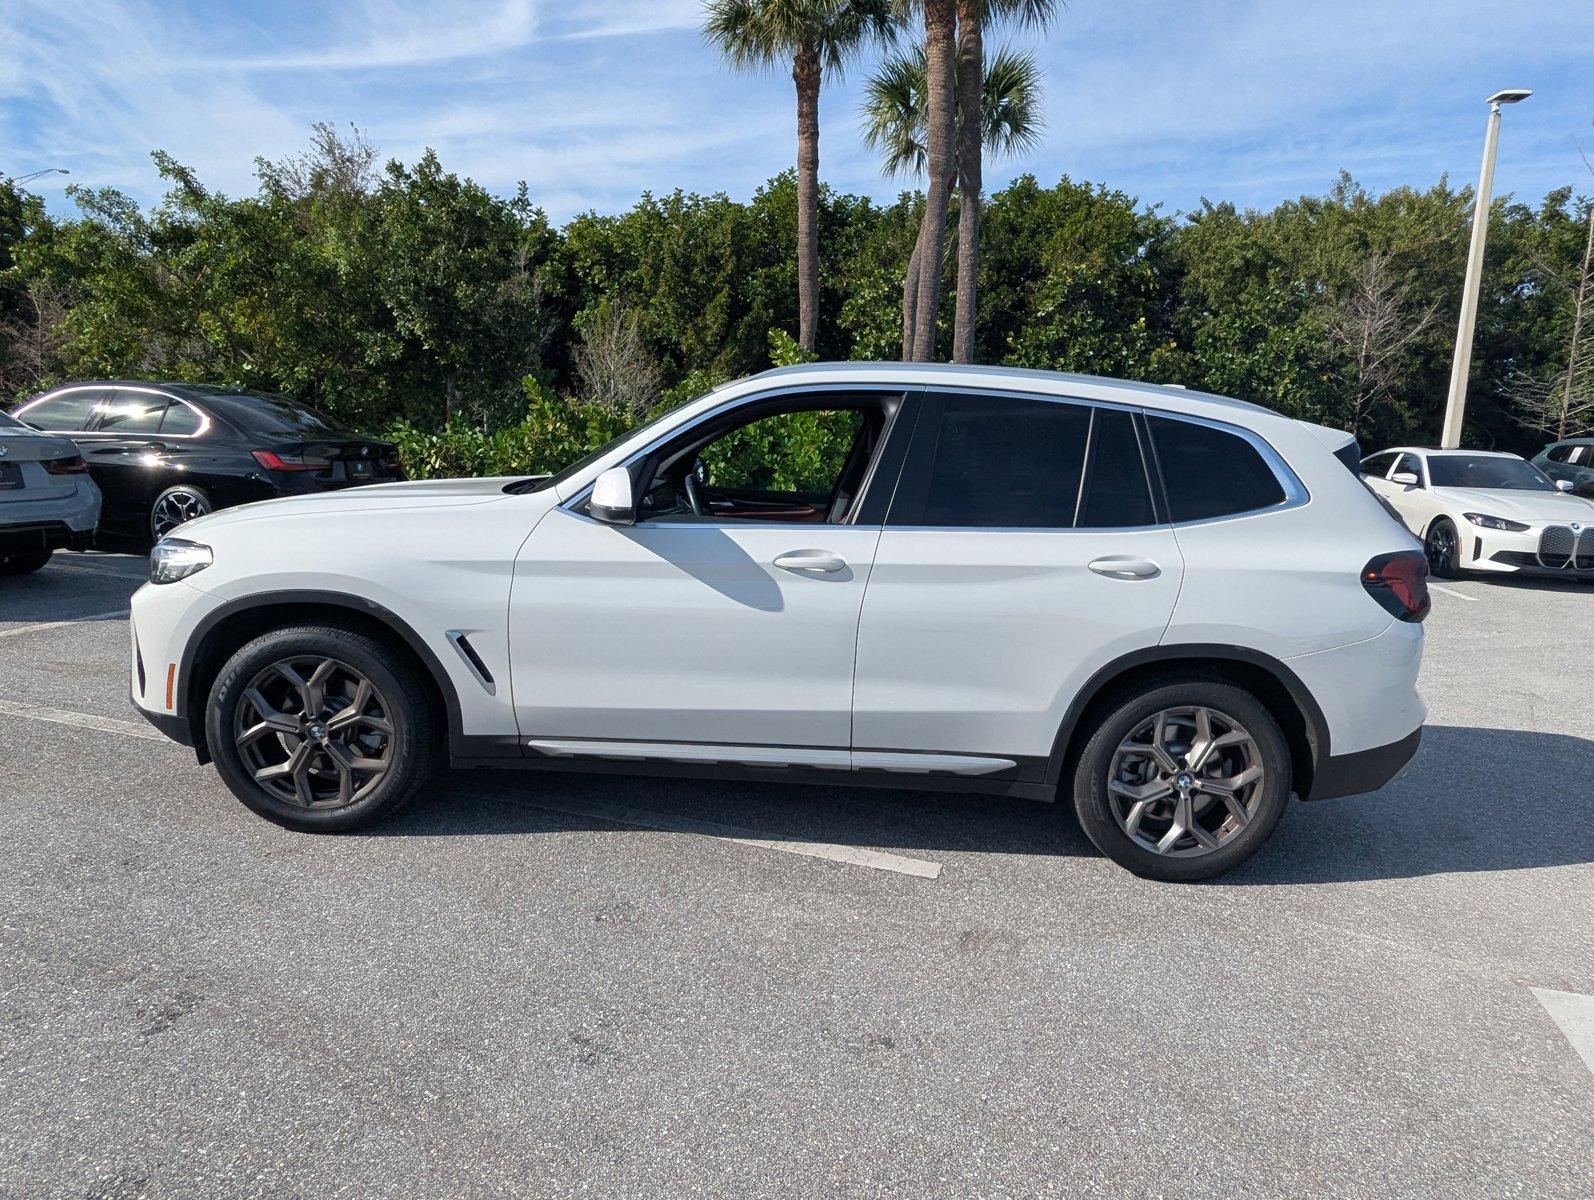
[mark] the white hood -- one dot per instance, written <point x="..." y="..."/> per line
<point x="380" y="497"/>
<point x="1537" y="507"/>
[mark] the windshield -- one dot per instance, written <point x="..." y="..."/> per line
<point x="1486" y="471"/>
<point x="262" y="412"/>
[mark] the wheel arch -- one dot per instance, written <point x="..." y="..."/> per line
<point x="1269" y="679"/>
<point x="231" y="626"/>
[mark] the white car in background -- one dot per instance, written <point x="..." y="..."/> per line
<point x="47" y="500"/>
<point x="1485" y="511"/>
<point x="1169" y="610"/>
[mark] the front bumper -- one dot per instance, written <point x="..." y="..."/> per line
<point x="1544" y="548"/>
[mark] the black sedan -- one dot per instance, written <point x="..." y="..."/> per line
<point x="164" y="453"/>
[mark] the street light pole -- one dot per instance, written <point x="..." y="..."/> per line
<point x="29" y="178"/>
<point x="1461" y="364"/>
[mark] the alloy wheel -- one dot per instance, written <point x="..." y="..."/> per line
<point x="175" y="507"/>
<point x="314" y="732"/>
<point x="1441" y="547"/>
<point x="1186" y="781"/>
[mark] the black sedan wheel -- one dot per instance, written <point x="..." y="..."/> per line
<point x="173" y="507"/>
<point x="321" y="728"/>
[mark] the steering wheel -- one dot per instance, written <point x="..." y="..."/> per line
<point x="694" y="494"/>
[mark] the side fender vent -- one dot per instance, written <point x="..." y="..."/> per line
<point x="473" y="660"/>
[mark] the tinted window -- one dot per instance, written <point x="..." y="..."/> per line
<point x="1377" y="465"/>
<point x="1559" y="453"/>
<point x="1117" y="492"/>
<point x="7" y="422"/>
<point x="1007" y="462"/>
<point x="1210" y="473"/>
<point x="180" y="419"/>
<point x="1350" y="454"/>
<point x="1486" y="471"/>
<point x="275" y="415"/>
<point x="131" y="412"/>
<point x="67" y="411"/>
<point x="1408" y="462"/>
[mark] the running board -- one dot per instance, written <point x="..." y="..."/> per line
<point x="896" y="761"/>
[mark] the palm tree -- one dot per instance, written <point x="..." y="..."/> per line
<point x="815" y="36"/>
<point x="895" y="117"/>
<point x="940" y="109"/>
<point x="972" y="16"/>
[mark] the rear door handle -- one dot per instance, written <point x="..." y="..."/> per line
<point x="811" y="560"/>
<point x="1123" y="566"/>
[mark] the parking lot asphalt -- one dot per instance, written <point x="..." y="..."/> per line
<point x="543" y="985"/>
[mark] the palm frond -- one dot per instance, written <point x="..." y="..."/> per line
<point x="1010" y="106"/>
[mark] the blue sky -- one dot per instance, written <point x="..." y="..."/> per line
<point x="594" y="101"/>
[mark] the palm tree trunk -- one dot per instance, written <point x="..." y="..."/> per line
<point x="806" y="74"/>
<point x="939" y="26"/>
<point x="970" y="88"/>
<point x="910" y="299"/>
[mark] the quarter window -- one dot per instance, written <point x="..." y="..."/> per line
<point x="180" y="419"/>
<point x="68" y="411"/>
<point x="1210" y="473"/>
<point x="1006" y="462"/>
<point x="1376" y="466"/>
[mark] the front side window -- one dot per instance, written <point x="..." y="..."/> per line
<point x="1487" y="471"/>
<point x="1209" y="472"/>
<point x="1409" y="464"/>
<point x="776" y="463"/>
<point x="66" y="412"/>
<point x="1560" y="454"/>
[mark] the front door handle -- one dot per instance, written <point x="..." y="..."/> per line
<point x="811" y="560"/>
<point x="1123" y="566"/>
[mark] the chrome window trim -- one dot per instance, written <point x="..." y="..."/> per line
<point x="204" y="418"/>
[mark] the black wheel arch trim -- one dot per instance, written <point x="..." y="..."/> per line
<point x="1177" y="654"/>
<point x="340" y="600"/>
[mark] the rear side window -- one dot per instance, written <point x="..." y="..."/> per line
<point x="1117" y="493"/>
<point x="67" y="412"/>
<point x="180" y="419"/>
<point x="1208" y="472"/>
<point x="1006" y="462"/>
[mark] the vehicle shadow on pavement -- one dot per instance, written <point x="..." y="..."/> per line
<point x="1474" y="800"/>
<point x="1462" y="808"/>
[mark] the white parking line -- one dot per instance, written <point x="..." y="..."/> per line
<point x="852" y="856"/>
<point x="1439" y="587"/>
<point x="61" y="716"/>
<point x="1574" y="1014"/>
<point x="19" y="630"/>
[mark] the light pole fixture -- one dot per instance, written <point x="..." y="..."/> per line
<point x="1461" y="364"/>
<point x="39" y="174"/>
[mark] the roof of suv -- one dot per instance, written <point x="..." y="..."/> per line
<point x="1429" y="450"/>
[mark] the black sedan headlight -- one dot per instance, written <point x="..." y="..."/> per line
<point x="174" y="559"/>
<point x="1488" y="522"/>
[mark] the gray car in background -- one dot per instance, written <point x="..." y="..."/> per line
<point x="47" y="500"/>
<point x="1569" y="461"/>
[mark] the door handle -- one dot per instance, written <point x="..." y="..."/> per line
<point x="811" y="560"/>
<point x="1123" y="566"/>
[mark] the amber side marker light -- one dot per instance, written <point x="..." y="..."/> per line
<point x="171" y="683"/>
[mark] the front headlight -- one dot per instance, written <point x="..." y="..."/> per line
<point x="1489" y="522"/>
<point x="174" y="559"/>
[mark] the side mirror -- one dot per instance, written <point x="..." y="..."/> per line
<point x="611" y="498"/>
<point x="1563" y="485"/>
<point x="1405" y="478"/>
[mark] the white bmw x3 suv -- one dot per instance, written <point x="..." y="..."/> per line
<point x="1173" y="609"/>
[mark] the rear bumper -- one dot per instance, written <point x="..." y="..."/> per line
<point x="1363" y="771"/>
<point x="44" y="535"/>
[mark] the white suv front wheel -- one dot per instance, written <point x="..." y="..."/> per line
<point x="1184" y="780"/>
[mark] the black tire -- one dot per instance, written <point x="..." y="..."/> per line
<point x="195" y="501"/>
<point x="1129" y="711"/>
<point x="405" y="701"/>
<point x="24" y="564"/>
<point x="1442" y="547"/>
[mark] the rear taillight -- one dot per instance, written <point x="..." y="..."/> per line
<point x="1399" y="582"/>
<point x="66" y="466"/>
<point x="272" y="461"/>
